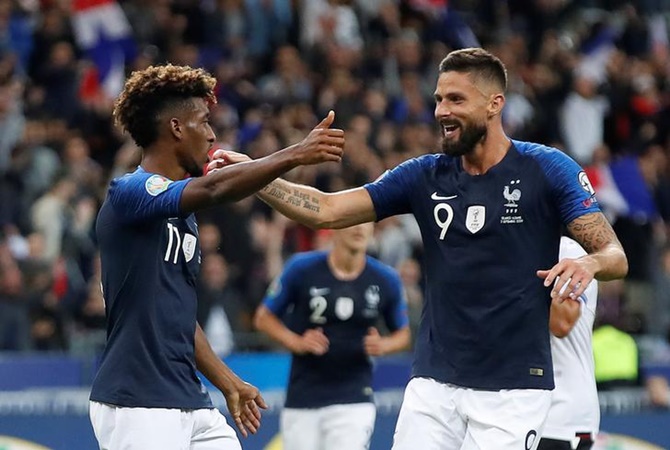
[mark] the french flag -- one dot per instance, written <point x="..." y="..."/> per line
<point x="103" y="33"/>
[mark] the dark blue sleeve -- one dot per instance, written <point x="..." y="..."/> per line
<point x="280" y="294"/>
<point x="570" y="186"/>
<point x="391" y="193"/>
<point x="395" y="313"/>
<point x="142" y="196"/>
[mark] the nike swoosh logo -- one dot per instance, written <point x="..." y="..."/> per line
<point x="318" y="292"/>
<point x="439" y="197"/>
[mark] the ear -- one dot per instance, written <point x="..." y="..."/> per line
<point x="176" y="128"/>
<point x="496" y="105"/>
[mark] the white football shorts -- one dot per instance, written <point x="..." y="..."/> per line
<point x="334" y="427"/>
<point x="124" y="428"/>
<point x="439" y="416"/>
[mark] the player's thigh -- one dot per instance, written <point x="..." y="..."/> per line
<point x="428" y="418"/>
<point x="212" y="432"/>
<point x="118" y="428"/>
<point x="505" y="420"/>
<point x="348" y="426"/>
<point x="554" y="444"/>
<point x="301" y="428"/>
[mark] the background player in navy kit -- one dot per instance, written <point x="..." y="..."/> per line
<point x="336" y="297"/>
<point x="574" y="415"/>
<point x="146" y="394"/>
<point x="490" y="211"/>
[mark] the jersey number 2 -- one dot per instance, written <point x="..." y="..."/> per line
<point x="318" y="306"/>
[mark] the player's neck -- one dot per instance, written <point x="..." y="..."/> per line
<point x="487" y="153"/>
<point x="346" y="264"/>
<point x="155" y="162"/>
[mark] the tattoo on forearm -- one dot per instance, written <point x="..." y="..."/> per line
<point x="294" y="197"/>
<point x="593" y="231"/>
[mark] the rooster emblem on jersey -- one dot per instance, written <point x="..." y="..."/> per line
<point x="511" y="197"/>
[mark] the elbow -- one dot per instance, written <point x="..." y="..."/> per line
<point x="624" y="266"/>
<point x="257" y="320"/>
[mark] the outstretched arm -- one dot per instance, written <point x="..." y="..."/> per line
<point x="243" y="399"/>
<point x="305" y="204"/>
<point x="236" y="181"/>
<point x="605" y="260"/>
<point x="318" y="209"/>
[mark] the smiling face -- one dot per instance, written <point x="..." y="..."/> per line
<point x="462" y="111"/>
<point x="195" y="136"/>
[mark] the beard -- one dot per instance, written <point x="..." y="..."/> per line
<point x="470" y="136"/>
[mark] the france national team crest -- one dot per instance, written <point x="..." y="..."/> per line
<point x="344" y="308"/>
<point x="474" y="220"/>
<point x="371" y="301"/>
<point x="512" y="194"/>
<point x="156" y="184"/>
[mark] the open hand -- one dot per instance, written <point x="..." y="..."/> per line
<point x="244" y="404"/>
<point x="570" y="278"/>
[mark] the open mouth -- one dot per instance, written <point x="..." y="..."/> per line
<point x="450" y="129"/>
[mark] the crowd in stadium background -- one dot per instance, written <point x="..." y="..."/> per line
<point x="589" y="77"/>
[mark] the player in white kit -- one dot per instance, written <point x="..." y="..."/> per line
<point x="574" y="415"/>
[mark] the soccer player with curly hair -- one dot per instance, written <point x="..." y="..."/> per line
<point x="146" y="394"/>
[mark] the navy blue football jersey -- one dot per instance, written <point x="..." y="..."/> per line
<point x="150" y="261"/>
<point x="314" y="298"/>
<point x="486" y="313"/>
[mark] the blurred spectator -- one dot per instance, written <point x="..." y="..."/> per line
<point x="330" y="23"/>
<point x="582" y="120"/>
<point x="289" y="81"/>
<point x="638" y="229"/>
<point x="14" y="319"/>
<point x="80" y="167"/>
<point x="59" y="78"/>
<point x="12" y="120"/>
<point x="609" y="197"/>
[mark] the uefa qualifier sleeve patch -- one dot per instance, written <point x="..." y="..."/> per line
<point x="156" y="184"/>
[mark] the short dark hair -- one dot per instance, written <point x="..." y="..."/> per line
<point x="477" y="62"/>
<point x="149" y="92"/>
